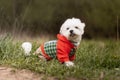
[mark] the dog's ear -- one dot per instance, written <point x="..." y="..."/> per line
<point x="61" y="30"/>
<point x="83" y="25"/>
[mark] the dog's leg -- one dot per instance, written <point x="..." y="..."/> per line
<point x="38" y="52"/>
<point x="69" y="64"/>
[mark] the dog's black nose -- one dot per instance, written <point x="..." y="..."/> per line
<point x="71" y="31"/>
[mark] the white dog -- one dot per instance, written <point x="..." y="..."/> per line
<point x="65" y="46"/>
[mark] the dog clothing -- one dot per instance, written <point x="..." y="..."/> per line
<point x="62" y="49"/>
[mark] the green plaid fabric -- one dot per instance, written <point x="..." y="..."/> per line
<point x="50" y="48"/>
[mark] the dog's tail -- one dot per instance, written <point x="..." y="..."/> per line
<point x="27" y="47"/>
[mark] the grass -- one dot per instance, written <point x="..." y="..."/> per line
<point x="95" y="60"/>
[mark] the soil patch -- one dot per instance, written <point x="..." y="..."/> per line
<point x="14" y="74"/>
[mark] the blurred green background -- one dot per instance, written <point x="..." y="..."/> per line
<point x="35" y="17"/>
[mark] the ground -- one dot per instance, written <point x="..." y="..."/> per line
<point x="14" y="74"/>
<point x="7" y="73"/>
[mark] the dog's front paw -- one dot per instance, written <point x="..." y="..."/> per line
<point x="69" y="64"/>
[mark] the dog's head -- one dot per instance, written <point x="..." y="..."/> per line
<point x="72" y="29"/>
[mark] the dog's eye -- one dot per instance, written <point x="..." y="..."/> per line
<point x="76" y="27"/>
<point x="67" y="28"/>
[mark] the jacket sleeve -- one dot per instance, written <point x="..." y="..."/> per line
<point x="63" y="52"/>
<point x="62" y="55"/>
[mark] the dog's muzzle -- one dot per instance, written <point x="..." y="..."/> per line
<point x="72" y="34"/>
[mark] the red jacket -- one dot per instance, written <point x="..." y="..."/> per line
<point x="65" y="50"/>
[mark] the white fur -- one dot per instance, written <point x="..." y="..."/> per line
<point x="27" y="46"/>
<point x="74" y="24"/>
<point x="69" y="63"/>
